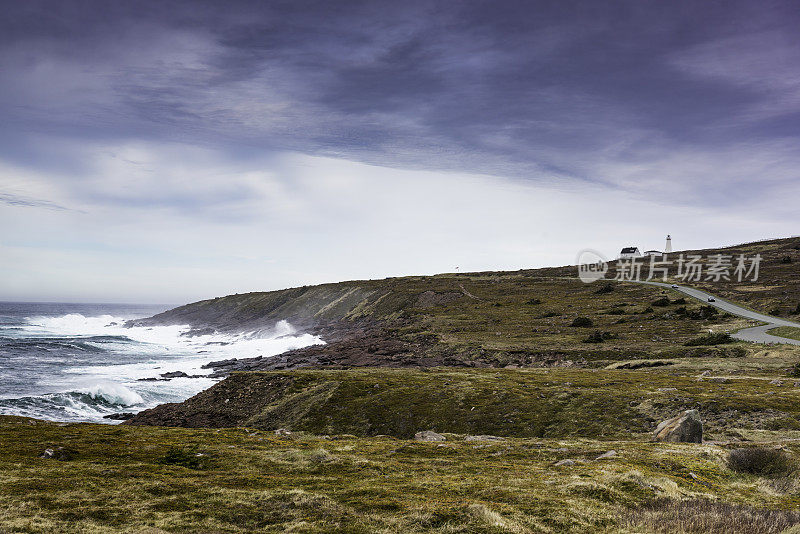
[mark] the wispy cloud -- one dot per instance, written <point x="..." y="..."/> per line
<point x="16" y="200"/>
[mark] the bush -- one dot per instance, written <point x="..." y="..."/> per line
<point x="608" y="287"/>
<point x="775" y="311"/>
<point x="599" y="337"/>
<point x="582" y="322"/>
<point x="679" y="301"/>
<point x="705" y="312"/>
<point x="795" y="370"/>
<point x="796" y="310"/>
<point x="550" y="314"/>
<point x="648" y="309"/>
<point x="616" y="311"/>
<point x="185" y="457"/>
<point x="663" y="301"/>
<point x="759" y="461"/>
<point x="786" y="259"/>
<point x="533" y="302"/>
<point x="711" y="339"/>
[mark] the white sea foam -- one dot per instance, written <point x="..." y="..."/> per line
<point x="113" y="394"/>
<point x="112" y="377"/>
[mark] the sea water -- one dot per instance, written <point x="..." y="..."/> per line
<point x="78" y="362"/>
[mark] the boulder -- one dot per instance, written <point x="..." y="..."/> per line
<point x="684" y="428"/>
<point x="121" y="416"/>
<point x="57" y="453"/>
<point x="428" y="435"/>
<point x="567" y="462"/>
<point x="174" y="374"/>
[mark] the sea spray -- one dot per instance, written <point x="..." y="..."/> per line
<point x="84" y="365"/>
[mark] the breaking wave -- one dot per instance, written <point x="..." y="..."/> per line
<point x="77" y="367"/>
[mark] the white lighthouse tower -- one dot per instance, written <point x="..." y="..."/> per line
<point x="668" y="246"/>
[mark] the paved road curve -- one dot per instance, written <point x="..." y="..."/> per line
<point x="757" y="334"/>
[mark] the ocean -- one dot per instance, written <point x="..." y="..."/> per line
<point x="77" y="362"/>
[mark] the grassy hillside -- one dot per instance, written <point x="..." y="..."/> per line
<point x="522" y="318"/>
<point x="549" y="403"/>
<point x="777" y="290"/>
<point x="243" y="480"/>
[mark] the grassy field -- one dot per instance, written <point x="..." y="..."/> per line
<point x="149" y="479"/>
<point x="786" y="331"/>
<point x="547" y="403"/>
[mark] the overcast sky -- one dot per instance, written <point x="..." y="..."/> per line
<point x="166" y="151"/>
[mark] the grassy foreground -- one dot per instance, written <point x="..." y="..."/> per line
<point x="238" y="480"/>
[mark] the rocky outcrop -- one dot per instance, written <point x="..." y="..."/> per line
<point x="61" y="454"/>
<point x="122" y="416"/>
<point x="428" y="435"/>
<point x="684" y="428"/>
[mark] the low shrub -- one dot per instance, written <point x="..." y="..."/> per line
<point x="786" y="259"/>
<point x="599" y="337"/>
<point x="533" y="302"/>
<point x="679" y="301"/>
<point x="582" y="322"/>
<point x="759" y="461"/>
<point x="704" y="312"/>
<point x="663" y="301"/>
<point x="608" y="287"/>
<point x="550" y="314"/>
<point x="794" y="371"/>
<point x="186" y="457"/>
<point x="719" y="338"/>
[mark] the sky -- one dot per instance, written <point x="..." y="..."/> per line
<point x="166" y="152"/>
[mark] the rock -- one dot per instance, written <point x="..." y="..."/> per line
<point x="484" y="438"/>
<point x="566" y="462"/>
<point x="428" y="435"/>
<point x="58" y="453"/>
<point x="174" y="374"/>
<point x="639" y="364"/>
<point x="706" y="372"/>
<point x="122" y="416"/>
<point x="607" y="455"/>
<point x="283" y="432"/>
<point x="797" y="384"/>
<point x="719" y="380"/>
<point x="684" y="428"/>
<point x="776" y="382"/>
<point x="667" y="389"/>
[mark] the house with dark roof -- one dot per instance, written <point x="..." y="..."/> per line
<point x="630" y="252"/>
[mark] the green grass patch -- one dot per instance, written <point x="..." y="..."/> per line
<point x="790" y="332"/>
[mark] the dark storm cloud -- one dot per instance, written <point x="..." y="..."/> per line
<point x="537" y="90"/>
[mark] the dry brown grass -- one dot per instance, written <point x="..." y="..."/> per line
<point x="702" y="516"/>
